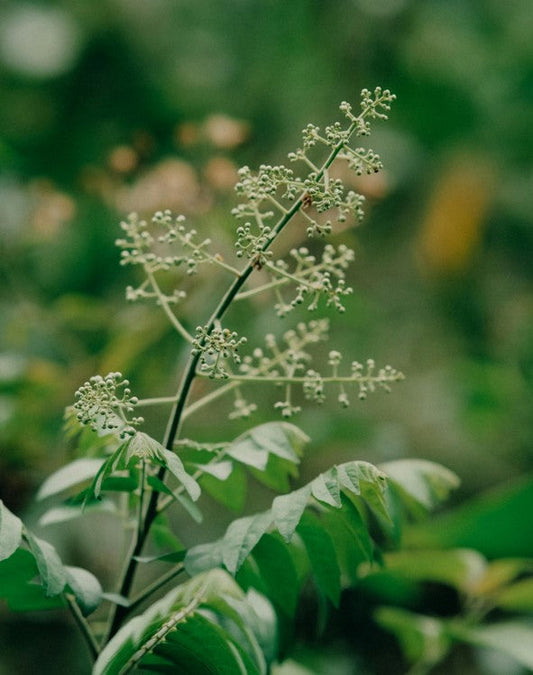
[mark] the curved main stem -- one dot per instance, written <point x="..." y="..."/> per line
<point x="176" y="415"/>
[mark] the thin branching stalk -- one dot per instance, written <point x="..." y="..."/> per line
<point x="83" y="625"/>
<point x="166" y="308"/>
<point x="155" y="586"/>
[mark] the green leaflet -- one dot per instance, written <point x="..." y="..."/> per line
<point x="231" y="491"/>
<point x="174" y="464"/>
<point x="51" y="569"/>
<point x="423" y="638"/>
<point x="517" y="597"/>
<point x="203" y="647"/>
<point x="68" y="476"/>
<point x="426" y="639"/>
<point x="493" y="524"/>
<point x="513" y="638"/>
<point x="325" y="488"/>
<point x="422" y="484"/>
<point x="10" y="532"/>
<point x="206" y="625"/>
<point x="287" y="510"/>
<point x="460" y="568"/>
<point x="269" y="452"/>
<point x="203" y="557"/>
<point x="322" y="556"/>
<point x="351" y="538"/>
<point x="60" y="514"/>
<point x="281" y="439"/>
<point x="241" y="537"/>
<point x="272" y="570"/>
<point x="85" y="587"/>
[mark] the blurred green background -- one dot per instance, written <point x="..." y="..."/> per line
<point x="123" y="105"/>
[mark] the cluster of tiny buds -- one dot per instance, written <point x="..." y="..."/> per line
<point x="139" y="244"/>
<point x="106" y="403"/>
<point x="214" y="347"/>
<point x="254" y="245"/>
<point x="287" y="408"/>
<point x="314" y="279"/>
<point x="140" y="293"/>
<point x="377" y="103"/>
<point x="264" y="183"/>
<point x="368" y="380"/>
<point x="313" y="387"/>
<point x="318" y="189"/>
<point x="285" y="360"/>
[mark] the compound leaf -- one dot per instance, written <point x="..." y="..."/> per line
<point x="200" y="627"/>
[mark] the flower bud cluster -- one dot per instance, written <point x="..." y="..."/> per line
<point x="215" y="348"/>
<point x="265" y="182"/>
<point x="362" y="161"/>
<point x="313" y="387"/>
<point x="105" y="404"/>
<point x="288" y="359"/>
<point x="139" y="244"/>
<point x="286" y="362"/>
<point x="288" y="365"/>
<point x="253" y="246"/>
<point x="316" y="191"/>
<point x="368" y="380"/>
<point x="144" y="245"/>
<point x="376" y="104"/>
<point x="313" y="278"/>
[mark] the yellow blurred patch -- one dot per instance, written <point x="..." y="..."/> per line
<point x="453" y="223"/>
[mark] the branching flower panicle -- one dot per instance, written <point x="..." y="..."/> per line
<point x="143" y="244"/>
<point x="106" y="403"/>
<point x="312" y="279"/>
<point x="216" y="347"/>
<point x="288" y="364"/>
<point x="316" y="192"/>
<point x="164" y="244"/>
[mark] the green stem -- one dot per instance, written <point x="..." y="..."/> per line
<point x="83" y="626"/>
<point x="208" y="398"/>
<point x="301" y="379"/>
<point x="161" y="400"/>
<point x="211" y="258"/>
<point x="155" y="586"/>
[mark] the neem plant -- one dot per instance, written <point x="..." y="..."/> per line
<point x="228" y="597"/>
